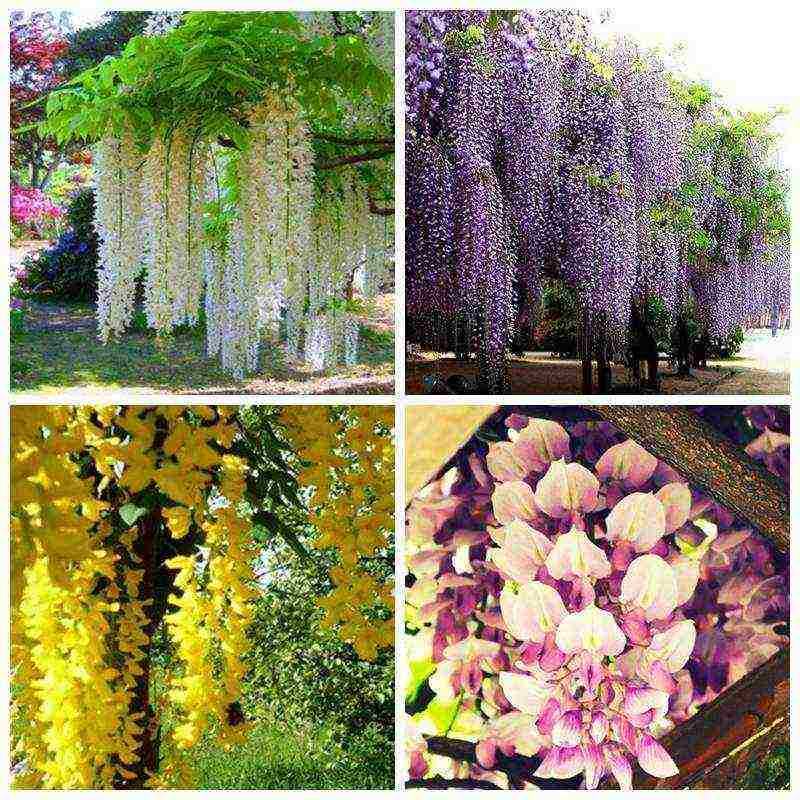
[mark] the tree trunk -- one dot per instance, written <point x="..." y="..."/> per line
<point x="652" y="370"/>
<point x="684" y="348"/>
<point x="585" y="354"/>
<point x="603" y="367"/>
<point x="636" y="371"/>
<point x="146" y="548"/>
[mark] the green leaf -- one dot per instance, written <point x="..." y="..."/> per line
<point x="441" y="713"/>
<point x="130" y="513"/>
<point x="420" y="672"/>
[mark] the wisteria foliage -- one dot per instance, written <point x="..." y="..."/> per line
<point x="614" y="174"/>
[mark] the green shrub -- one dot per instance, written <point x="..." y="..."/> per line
<point x="726" y="347"/>
<point x="68" y="269"/>
<point x="304" y="670"/>
<point x="557" y="329"/>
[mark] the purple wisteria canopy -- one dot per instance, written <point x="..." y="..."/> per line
<point x="537" y="150"/>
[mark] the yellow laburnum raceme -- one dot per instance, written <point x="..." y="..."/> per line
<point x="83" y="590"/>
<point x="349" y="472"/>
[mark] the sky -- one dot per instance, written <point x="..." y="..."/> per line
<point x="749" y="57"/>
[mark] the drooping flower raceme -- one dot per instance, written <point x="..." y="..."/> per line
<point x="574" y="598"/>
<point x="276" y="254"/>
<point x="118" y="212"/>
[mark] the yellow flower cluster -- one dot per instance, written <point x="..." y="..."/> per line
<point x="209" y="626"/>
<point x="348" y="466"/>
<point x="83" y="591"/>
<point x="53" y="509"/>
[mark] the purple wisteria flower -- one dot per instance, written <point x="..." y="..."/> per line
<point x="573" y="599"/>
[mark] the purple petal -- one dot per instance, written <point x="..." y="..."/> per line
<point x="561" y="763"/>
<point x="654" y="759"/>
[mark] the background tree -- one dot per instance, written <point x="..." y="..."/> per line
<point x="89" y="46"/>
<point x="37" y="46"/>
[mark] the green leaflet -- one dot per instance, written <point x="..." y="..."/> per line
<point x="131" y="513"/>
<point x="441" y="713"/>
<point x="420" y="672"/>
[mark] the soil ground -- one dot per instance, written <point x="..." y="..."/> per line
<point x="762" y="367"/>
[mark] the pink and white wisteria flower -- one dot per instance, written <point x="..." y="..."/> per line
<point x="574" y="598"/>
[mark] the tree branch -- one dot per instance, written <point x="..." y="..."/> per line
<point x="454" y="783"/>
<point x="325" y="137"/>
<point x="356" y="159"/>
<point x="378" y="210"/>
<point x="519" y="769"/>
<point x="372" y="155"/>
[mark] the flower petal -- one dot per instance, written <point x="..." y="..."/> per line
<point x="513" y="500"/>
<point x="540" y="442"/>
<point x="561" y="763"/>
<point x="574" y="555"/>
<point x="638" y="518"/>
<point x="523" y="551"/>
<point x="519" y="620"/>
<point x="566" y="488"/>
<point x="532" y="611"/>
<point x="545" y="603"/>
<point x="599" y="727"/>
<point x="628" y="462"/>
<point x="619" y="765"/>
<point x="592" y="629"/>
<point x="461" y="562"/>
<point x="519" y="731"/>
<point x="650" y="584"/>
<point x="594" y="764"/>
<point x="504" y="463"/>
<point x="687" y="574"/>
<point x="524" y="692"/>
<point x="641" y="699"/>
<point x="567" y="730"/>
<point x="674" y="645"/>
<point x="654" y="759"/>
<point x="677" y="501"/>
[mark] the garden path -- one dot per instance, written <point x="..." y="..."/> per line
<point x="763" y="367"/>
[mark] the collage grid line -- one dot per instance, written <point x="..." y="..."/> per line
<point x="577" y="598"/>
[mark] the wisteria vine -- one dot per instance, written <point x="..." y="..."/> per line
<point x="233" y="208"/>
<point x="613" y="173"/>
<point x="573" y="598"/>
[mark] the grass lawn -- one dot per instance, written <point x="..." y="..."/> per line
<point x="59" y="350"/>
<point x="280" y="756"/>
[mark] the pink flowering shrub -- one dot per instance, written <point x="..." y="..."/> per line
<point x="574" y="599"/>
<point x="32" y="211"/>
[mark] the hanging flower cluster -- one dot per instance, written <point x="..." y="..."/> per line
<point x="118" y="222"/>
<point x="348" y="462"/>
<point x="284" y="257"/>
<point x="574" y="598"/>
<point x="85" y="584"/>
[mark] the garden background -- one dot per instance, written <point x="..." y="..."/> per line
<point x="54" y="241"/>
